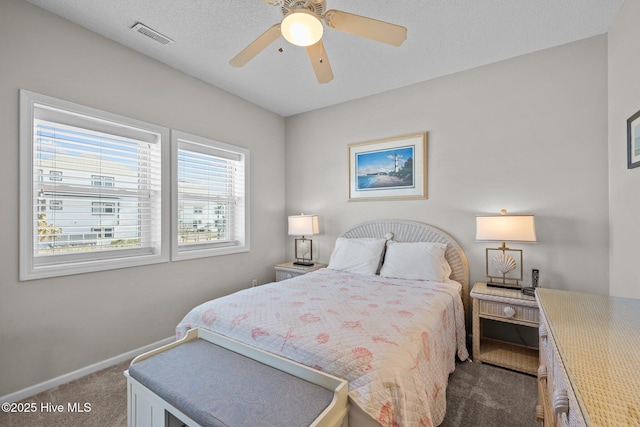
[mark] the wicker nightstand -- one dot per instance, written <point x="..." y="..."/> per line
<point x="506" y="306"/>
<point x="288" y="270"/>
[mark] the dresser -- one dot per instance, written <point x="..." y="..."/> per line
<point x="589" y="370"/>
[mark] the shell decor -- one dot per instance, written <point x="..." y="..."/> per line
<point x="509" y="311"/>
<point x="504" y="263"/>
<point x="303" y="248"/>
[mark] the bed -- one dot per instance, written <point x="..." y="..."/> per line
<point x="394" y="338"/>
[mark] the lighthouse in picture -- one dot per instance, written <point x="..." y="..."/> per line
<point x="396" y="168"/>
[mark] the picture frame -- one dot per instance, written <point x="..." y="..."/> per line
<point x="633" y="141"/>
<point x="389" y="169"/>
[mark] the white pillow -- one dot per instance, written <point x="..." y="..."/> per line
<point x="447" y="269"/>
<point x="361" y="256"/>
<point x="416" y="261"/>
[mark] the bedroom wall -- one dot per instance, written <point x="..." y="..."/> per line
<point x="527" y="134"/>
<point x="52" y="327"/>
<point x="624" y="198"/>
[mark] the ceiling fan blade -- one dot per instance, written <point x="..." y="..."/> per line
<point x="255" y="47"/>
<point x="370" y="28"/>
<point x="320" y="62"/>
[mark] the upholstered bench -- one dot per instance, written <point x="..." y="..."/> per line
<point x="206" y="379"/>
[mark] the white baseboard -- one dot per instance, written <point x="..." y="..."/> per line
<point x="63" y="379"/>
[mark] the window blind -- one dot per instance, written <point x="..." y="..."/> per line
<point x="210" y="197"/>
<point x="93" y="192"/>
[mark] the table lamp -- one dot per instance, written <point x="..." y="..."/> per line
<point x="504" y="228"/>
<point x="303" y="225"/>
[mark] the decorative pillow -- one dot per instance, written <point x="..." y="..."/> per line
<point x="361" y="256"/>
<point x="416" y="261"/>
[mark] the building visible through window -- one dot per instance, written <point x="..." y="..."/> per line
<point x="211" y="191"/>
<point x="107" y="205"/>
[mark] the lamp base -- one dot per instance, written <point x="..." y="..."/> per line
<point x="303" y="263"/>
<point x="503" y="285"/>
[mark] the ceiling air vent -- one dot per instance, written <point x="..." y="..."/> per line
<point x="144" y="30"/>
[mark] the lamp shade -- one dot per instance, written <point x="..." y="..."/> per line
<point x="303" y="225"/>
<point x="505" y="228"/>
<point x="302" y="28"/>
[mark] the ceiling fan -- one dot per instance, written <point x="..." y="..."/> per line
<point x="302" y="26"/>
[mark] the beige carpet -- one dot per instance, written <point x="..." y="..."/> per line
<point x="477" y="395"/>
<point x="105" y="391"/>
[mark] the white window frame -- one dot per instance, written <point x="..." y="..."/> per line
<point x="32" y="267"/>
<point x="242" y="236"/>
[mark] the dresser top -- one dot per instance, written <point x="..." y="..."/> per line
<point x="598" y="339"/>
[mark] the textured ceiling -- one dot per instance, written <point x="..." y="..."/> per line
<point x="444" y="37"/>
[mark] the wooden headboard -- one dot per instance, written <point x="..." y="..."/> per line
<point x="413" y="231"/>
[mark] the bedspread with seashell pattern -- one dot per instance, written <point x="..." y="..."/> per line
<point x="394" y="340"/>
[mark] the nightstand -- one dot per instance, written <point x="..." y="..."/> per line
<point x="288" y="270"/>
<point x="505" y="306"/>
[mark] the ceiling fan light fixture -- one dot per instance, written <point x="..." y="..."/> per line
<point x="302" y="27"/>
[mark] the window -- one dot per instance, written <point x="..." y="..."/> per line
<point x="84" y="152"/>
<point x="104" y="232"/>
<point x="104" y="181"/>
<point x="210" y="197"/>
<point x="55" y="205"/>
<point x="103" y="208"/>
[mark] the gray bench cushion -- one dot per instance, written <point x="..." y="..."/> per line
<point x="218" y="387"/>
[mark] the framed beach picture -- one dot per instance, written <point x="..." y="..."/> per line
<point x="633" y="141"/>
<point x="393" y="168"/>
